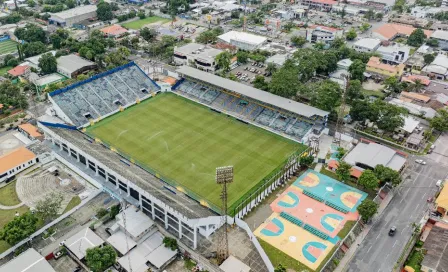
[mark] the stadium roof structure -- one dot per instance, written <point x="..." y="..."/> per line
<point x="28" y="261"/>
<point x="248" y="91"/>
<point x="137" y="175"/>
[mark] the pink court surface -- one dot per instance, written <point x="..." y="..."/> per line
<point x="308" y="216"/>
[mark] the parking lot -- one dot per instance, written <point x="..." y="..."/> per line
<point x="246" y="73"/>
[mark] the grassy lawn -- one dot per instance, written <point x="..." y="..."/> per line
<point x="346" y="229"/>
<point x="8" y="215"/>
<point x="185" y="142"/>
<point x="8" y="195"/>
<point x="279" y="257"/>
<point x="5" y="69"/>
<point x="378" y="93"/>
<point x="75" y="201"/>
<point x="140" y="23"/>
<point x="8" y="46"/>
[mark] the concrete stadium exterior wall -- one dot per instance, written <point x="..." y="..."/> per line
<point x="170" y="218"/>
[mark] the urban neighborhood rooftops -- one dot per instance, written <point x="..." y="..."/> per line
<point x="19" y="70"/>
<point x="114" y="30"/>
<point x="390" y="31"/>
<point x="375" y="62"/>
<point x="14" y="158"/>
<point x="30" y="129"/>
<point x="81" y="241"/>
<point x="436" y="246"/>
<point x="70" y="13"/>
<point x="28" y="261"/>
<point x="368" y="43"/>
<point x="440" y="35"/>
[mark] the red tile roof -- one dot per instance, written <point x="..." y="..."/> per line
<point x="114" y="30"/>
<point x="18" y="70"/>
<point x="389" y="31"/>
<point x="412" y="78"/>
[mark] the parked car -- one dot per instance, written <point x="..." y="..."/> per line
<point x="392" y="231"/>
<point x="422" y="162"/>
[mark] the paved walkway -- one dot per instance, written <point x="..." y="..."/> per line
<point x="351" y="252"/>
<point x="2" y="207"/>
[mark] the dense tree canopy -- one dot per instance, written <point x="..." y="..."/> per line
<point x="357" y="69"/>
<point x="48" y="63"/>
<point x="368" y="179"/>
<point x="416" y="38"/>
<point x="104" y="11"/>
<point x="386" y="174"/>
<point x="388" y="117"/>
<point x="367" y="209"/>
<point x="327" y="96"/>
<point x="31" y="33"/>
<point x="10" y="95"/>
<point x="100" y="258"/>
<point x="440" y="121"/>
<point x="49" y="207"/>
<point x="33" y="49"/>
<point x="209" y="36"/>
<point x="148" y="34"/>
<point x="343" y="171"/>
<point x="19" y="228"/>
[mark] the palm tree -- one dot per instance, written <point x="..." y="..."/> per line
<point x="271" y="68"/>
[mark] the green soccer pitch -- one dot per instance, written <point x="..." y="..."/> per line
<point x="8" y="46"/>
<point x="185" y="141"/>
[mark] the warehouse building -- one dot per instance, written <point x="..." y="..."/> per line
<point x="72" y="65"/>
<point x="243" y="40"/>
<point x="73" y="16"/>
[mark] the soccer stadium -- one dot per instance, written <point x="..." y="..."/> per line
<point x="158" y="147"/>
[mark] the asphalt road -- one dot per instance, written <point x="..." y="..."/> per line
<point x="379" y="252"/>
<point x="440" y="152"/>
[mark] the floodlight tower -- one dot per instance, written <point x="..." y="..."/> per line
<point x="224" y="175"/>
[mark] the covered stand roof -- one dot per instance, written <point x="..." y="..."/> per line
<point x="248" y="91"/>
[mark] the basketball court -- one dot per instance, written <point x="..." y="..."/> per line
<point x="308" y="216"/>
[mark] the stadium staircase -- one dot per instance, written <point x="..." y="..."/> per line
<point x="292" y="219"/>
<point x="316" y="232"/>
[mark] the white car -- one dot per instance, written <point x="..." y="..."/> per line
<point x="422" y="162"/>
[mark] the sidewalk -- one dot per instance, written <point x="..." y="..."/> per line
<point x="352" y="250"/>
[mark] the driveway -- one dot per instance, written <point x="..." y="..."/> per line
<point x="380" y="252"/>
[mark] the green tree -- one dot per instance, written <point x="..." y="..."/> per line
<point x="364" y="27"/>
<point x="170" y="243"/>
<point x="209" y="36"/>
<point x="114" y="210"/>
<point x="357" y="69"/>
<point x="327" y="96"/>
<point x="390" y="116"/>
<point x="70" y="3"/>
<point x="223" y="61"/>
<point x="30" y="33"/>
<point x="386" y="174"/>
<point x="416" y="38"/>
<point x="440" y="121"/>
<point x="399" y="6"/>
<point x="393" y="84"/>
<point x="141" y="14"/>
<point x="19" y="228"/>
<point x="306" y="161"/>
<point x="280" y="268"/>
<point x="341" y="153"/>
<point x="285" y="82"/>
<point x="432" y="42"/>
<point x="33" y="48"/>
<point x="260" y="83"/>
<point x="271" y="68"/>
<point x="49" y="207"/>
<point x="343" y="171"/>
<point x="10" y="95"/>
<point x="31" y="3"/>
<point x="48" y="63"/>
<point x="13" y="62"/>
<point x="353" y="91"/>
<point x="148" y="34"/>
<point x="351" y="34"/>
<point x="379" y="16"/>
<point x="242" y="56"/>
<point x="99" y="259"/>
<point x="369" y="15"/>
<point x="56" y="41"/>
<point x="428" y="58"/>
<point x="104" y="11"/>
<point x="368" y="179"/>
<point x="367" y="209"/>
<point x="319" y="46"/>
<point x="298" y="41"/>
<point x="6" y="59"/>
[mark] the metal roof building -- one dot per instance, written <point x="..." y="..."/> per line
<point x="248" y="91"/>
<point x="369" y="155"/>
<point x="81" y="241"/>
<point x="73" y="16"/>
<point x="72" y="65"/>
<point x="243" y="40"/>
<point x="28" y="261"/>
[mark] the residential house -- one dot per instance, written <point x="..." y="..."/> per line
<point x="324" y="5"/>
<point x="20" y="71"/>
<point x="114" y="31"/>
<point x="375" y="66"/>
<point x="394" y="53"/>
<point x="30" y="132"/>
<point x="391" y="31"/>
<point x="424" y="80"/>
<point x="438" y="68"/>
<point x="367" y="45"/>
<point x="442" y="37"/>
<point x="325" y="34"/>
<point x="416" y="62"/>
<point x="28" y="261"/>
<point x="81" y="241"/>
<point x="341" y="74"/>
<point x="410" y="125"/>
<point x="413" y="108"/>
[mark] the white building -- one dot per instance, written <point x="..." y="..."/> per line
<point x="442" y="37"/>
<point x="81" y="241"/>
<point x="72" y="65"/>
<point x="438" y="68"/>
<point x="394" y="54"/>
<point x="197" y="55"/>
<point x="243" y="40"/>
<point x="278" y="59"/>
<point x="72" y="16"/>
<point x="15" y="162"/>
<point x="325" y="34"/>
<point x="28" y="261"/>
<point x="367" y="45"/>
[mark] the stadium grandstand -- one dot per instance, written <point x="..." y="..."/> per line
<point x="270" y="111"/>
<point x="102" y="95"/>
